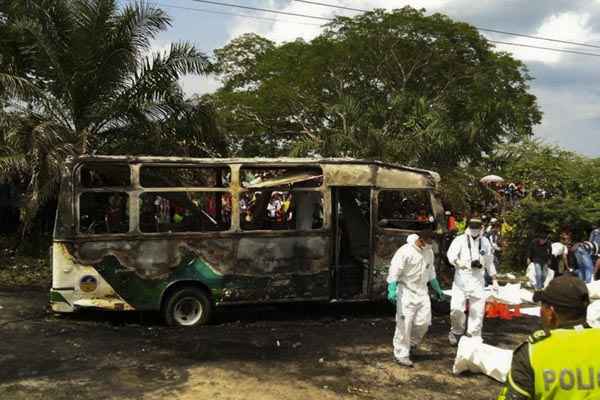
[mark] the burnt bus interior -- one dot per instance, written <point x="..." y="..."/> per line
<point x="176" y="198"/>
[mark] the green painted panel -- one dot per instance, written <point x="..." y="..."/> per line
<point x="145" y="294"/>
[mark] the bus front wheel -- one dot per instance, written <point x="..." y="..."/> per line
<point x="187" y="307"/>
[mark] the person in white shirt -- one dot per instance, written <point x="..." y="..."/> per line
<point x="410" y="270"/>
<point x="470" y="254"/>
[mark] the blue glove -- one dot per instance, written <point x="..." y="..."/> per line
<point x="391" y="291"/>
<point x="435" y="285"/>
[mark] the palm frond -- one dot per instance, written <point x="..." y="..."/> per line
<point x="17" y="87"/>
<point x="138" y="24"/>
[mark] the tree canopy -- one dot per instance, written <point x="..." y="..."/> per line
<point x="79" y="77"/>
<point x="397" y="86"/>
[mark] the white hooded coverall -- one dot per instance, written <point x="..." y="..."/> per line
<point x="411" y="268"/>
<point x="469" y="282"/>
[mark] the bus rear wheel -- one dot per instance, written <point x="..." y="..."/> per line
<point x="187" y="307"/>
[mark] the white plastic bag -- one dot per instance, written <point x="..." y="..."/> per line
<point x="593" y="314"/>
<point x="594" y="290"/>
<point x="509" y="294"/>
<point x="475" y="356"/>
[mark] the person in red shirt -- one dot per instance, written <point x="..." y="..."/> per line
<point x="451" y="221"/>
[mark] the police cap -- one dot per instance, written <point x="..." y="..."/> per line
<point x="565" y="291"/>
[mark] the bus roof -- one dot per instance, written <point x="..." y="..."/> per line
<point x="341" y="161"/>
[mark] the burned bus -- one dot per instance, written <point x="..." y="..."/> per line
<point x="184" y="235"/>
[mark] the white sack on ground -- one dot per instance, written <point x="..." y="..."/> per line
<point x="594" y="290"/>
<point x="593" y="314"/>
<point x="531" y="275"/>
<point x="526" y="295"/>
<point x="475" y="356"/>
<point x="508" y="294"/>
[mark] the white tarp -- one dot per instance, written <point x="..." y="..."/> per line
<point x="475" y="356"/>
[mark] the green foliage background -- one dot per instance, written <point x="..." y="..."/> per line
<point x="574" y="184"/>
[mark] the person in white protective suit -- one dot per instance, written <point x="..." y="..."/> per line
<point x="410" y="270"/>
<point x="470" y="254"/>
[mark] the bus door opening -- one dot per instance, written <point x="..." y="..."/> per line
<point x="352" y="242"/>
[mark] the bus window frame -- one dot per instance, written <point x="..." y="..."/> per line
<point x="138" y="182"/>
<point x="79" y="189"/>
<point x="182" y="190"/>
<point x="323" y="190"/>
<point x="429" y="191"/>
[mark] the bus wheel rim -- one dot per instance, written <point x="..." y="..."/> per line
<point x="188" y="311"/>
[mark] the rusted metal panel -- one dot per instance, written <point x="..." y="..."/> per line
<point x="348" y="175"/>
<point x="157" y="259"/>
<point x="251" y="269"/>
<point x="278" y="268"/>
<point x="257" y="161"/>
<point x="394" y="179"/>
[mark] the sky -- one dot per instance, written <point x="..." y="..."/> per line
<point x="566" y="85"/>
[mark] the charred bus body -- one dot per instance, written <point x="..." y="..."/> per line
<point x="184" y="235"/>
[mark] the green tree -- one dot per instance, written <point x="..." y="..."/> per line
<point x="571" y="180"/>
<point x="80" y="78"/>
<point x="538" y="165"/>
<point x="398" y="86"/>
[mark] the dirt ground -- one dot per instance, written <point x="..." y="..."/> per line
<point x="286" y="352"/>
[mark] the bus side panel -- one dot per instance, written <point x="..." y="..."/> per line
<point x="141" y="270"/>
<point x="76" y="284"/>
<point x="279" y="268"/>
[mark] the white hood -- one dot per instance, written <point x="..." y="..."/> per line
<point x="412" y="239"/>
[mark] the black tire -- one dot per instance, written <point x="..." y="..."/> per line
<point x="183" y="305"/>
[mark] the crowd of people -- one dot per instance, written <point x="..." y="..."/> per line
<point x="549" y="259"/>
<point x="557" y="362"/>
<point x="510" y="194"/>
<point x="548" y="255"/>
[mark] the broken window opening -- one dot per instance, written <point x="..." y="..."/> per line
<point x="293" y="177"/>
<point x="352" y="247"/>
<point x="185" y="212"/>
<point x="405" y="209"/>
<point x="103" y="212"/>
<point x="281" y="210"/>
<point x="201" y="177"/>
<point x="105" y="175"/>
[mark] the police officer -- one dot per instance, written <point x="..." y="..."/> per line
<point x="562" y="361"/>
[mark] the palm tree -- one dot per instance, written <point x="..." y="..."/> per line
<point x="77" y="76"/>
